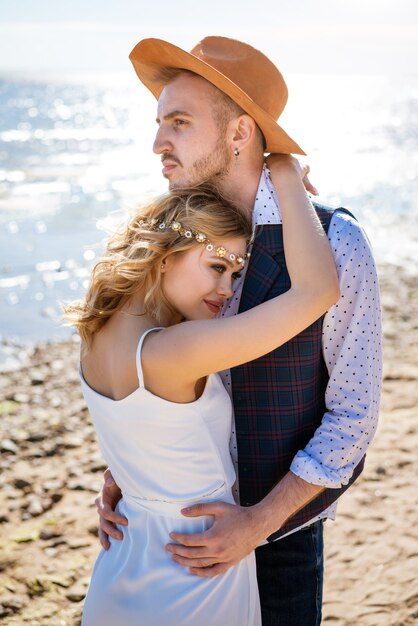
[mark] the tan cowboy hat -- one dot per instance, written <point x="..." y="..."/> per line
<point x="246" y="75"/>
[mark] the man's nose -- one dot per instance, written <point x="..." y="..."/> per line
<point x="161" y="142"/>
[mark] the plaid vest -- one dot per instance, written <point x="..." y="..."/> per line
<point x="279" y="399"/>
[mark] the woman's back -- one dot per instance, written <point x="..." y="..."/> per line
<point x="145" y="437"/>
<point x="164" y="456"/>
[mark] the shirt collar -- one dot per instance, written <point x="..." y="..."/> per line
<point x="266" y="206"/>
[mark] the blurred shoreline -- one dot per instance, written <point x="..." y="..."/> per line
<point x="76" y="156"/>
<point x="51" y="469"/>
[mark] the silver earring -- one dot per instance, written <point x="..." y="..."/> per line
<point x="236" y="153"/>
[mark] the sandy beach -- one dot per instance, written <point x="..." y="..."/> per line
<point x="51" y="470"/>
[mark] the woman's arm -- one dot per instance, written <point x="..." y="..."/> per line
<point x="197" y="348"/>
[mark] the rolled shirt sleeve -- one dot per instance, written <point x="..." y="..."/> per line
<point x="352" y="353"/>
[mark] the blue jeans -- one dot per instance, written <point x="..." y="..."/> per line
<point x="290" y="578"/>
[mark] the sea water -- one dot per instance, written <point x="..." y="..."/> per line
<point x="76" y="156"/>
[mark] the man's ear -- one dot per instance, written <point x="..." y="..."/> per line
<point x="244" y="131"/>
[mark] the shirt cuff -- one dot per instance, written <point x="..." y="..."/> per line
<point x="313" y="472"/>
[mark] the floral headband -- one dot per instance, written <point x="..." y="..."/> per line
<point x="220" y="251"/>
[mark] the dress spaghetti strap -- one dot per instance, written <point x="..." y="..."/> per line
<point x="138" y="354"/>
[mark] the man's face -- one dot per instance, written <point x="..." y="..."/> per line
<point x="193" y="148"/>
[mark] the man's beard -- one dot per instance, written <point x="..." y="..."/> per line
<point x="212" y="168"/>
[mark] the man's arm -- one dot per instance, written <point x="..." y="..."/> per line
<point x="352" y="352"/>
<point x="106" y="502"/>
<point x="351" y="327"/>
<point x="237" y="530"/>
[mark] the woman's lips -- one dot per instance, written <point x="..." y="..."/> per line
<point x="214" y="307"/>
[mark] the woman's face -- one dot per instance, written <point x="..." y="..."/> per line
<point x="196" y="283"/>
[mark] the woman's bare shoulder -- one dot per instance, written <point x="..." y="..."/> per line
<point x="109" y="366"/>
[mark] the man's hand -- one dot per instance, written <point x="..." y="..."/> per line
<point x="303" y="169"/>
<point x="237" y="530"/>
<point x="233" y="535"/>
<point x="106" y="502"/>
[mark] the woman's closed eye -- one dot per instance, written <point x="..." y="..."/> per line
<point x="221" y="269"/>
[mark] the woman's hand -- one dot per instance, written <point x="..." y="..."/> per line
<point x="275" y="161"/>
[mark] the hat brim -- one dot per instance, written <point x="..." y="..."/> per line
<point x="151" y="55"/>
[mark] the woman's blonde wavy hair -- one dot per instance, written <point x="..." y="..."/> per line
<point x="134" y="254"/>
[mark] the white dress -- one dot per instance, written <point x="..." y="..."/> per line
<point x="164" y="456"/>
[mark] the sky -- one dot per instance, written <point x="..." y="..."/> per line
<point x="301" y="36"/>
